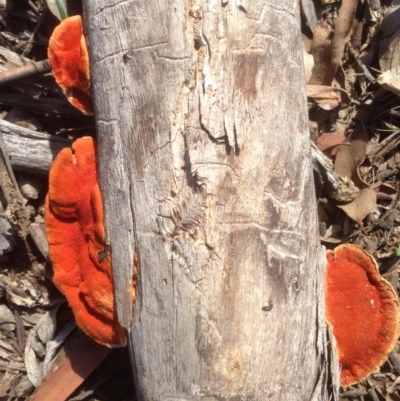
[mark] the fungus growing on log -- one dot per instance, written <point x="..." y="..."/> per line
<point x="75" y="231"/>
<point x="363" y="310"/>
<point x="69" y="60"/>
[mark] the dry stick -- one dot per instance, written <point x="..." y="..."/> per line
<point x="367" y="74"/>
<point x="26" y="71"/>
<point x="342" y="28"/>
<point x="354" y="393"/>
<point x="10" y="366"/>
<point x="386" y="145"/>
<point x="373" y="394"/>
<point x="75" y="368"/>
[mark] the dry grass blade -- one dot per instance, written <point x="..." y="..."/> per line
<point x="190" y="214"/>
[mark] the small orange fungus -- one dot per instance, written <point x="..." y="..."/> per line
<point x="81" y="259"/>
<point x="69" y="60"/>
<point x="363" y="310"/>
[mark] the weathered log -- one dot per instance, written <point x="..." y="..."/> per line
<point x="195" y="102"/>
<point x="29" y="150"/>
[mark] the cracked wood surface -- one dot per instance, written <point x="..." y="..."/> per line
<point x="31" y="151"/>
<point x="210" y="95"/>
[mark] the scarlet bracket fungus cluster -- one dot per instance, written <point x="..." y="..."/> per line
<point x="69" y="60"/>
<point x="75" y="231"/>
<point x="363" y="310"/>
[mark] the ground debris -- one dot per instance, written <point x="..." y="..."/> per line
<point x="360" y="139"/>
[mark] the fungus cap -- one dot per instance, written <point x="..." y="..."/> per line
<point x="81" y="259"/>
<point x="362" y="308"/>
<point x="69" y="60"/>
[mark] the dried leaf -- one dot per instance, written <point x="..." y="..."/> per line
<point x="390" y="80"/>
<point x="7" y="318"/>
<point x="35" y="349"/>
<point x="350" y="157"/>
<point x="328" y="140"/>
<point x="373" y="11"/>
<point x="5" y="384"/>
<point x="53" y="346"/>
<point x="327" y="97"/>
<point x="347" y="161"/>
<point x="364" y="202"/>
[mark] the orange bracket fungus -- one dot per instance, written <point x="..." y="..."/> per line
<point x="81" y="258"/>
<point x="69" y="60"/>
<point x="363" y="310"/>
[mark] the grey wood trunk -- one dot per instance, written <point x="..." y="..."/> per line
<point x="208" y="97"/>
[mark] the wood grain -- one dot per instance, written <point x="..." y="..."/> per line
<point x="211" y="95"/>
<point x="31" y="151"/>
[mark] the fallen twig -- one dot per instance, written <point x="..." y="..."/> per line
<point x="26" y="71"/>
<point x="60" y="384"/>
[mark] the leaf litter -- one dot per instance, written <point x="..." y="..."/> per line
<point x="356" y="49"/>
<point x="352" y="61"/>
